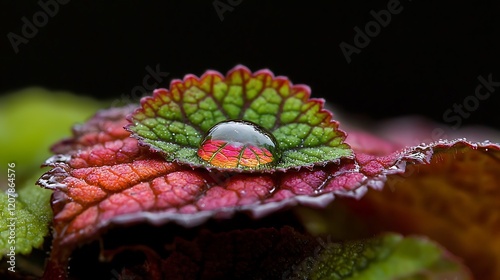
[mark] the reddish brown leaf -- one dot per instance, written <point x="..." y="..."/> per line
<point x="453" y="200"/>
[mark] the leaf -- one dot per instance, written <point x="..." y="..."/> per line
<point x="269" y="253"/>
<point x="453" y="200"/>
<point x="388" y="256"/>
<point x="176" y="121"/>
<point x="26" y="217"/>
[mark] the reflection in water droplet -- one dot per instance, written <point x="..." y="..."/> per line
<point x="239" y="144"/>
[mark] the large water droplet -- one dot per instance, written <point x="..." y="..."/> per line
<point x="239" y="144"/>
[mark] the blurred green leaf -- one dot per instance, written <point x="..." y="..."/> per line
<point x="33" y="119"/>
<point x="388" y="256"/>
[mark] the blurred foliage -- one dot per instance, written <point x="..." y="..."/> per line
<point x="31" y="120"/>
<point x="388" y="256"/>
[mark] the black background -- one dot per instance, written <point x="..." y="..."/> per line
<point x="426" y="59"/>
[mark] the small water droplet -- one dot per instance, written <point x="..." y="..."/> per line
<point x="239" y="144"/>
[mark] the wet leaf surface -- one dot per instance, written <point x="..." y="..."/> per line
<point x="175" y="121"/>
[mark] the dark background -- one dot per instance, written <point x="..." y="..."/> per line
<point x="427" y="58"/>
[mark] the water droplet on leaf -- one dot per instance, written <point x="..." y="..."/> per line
<point x="239" y="144"/>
